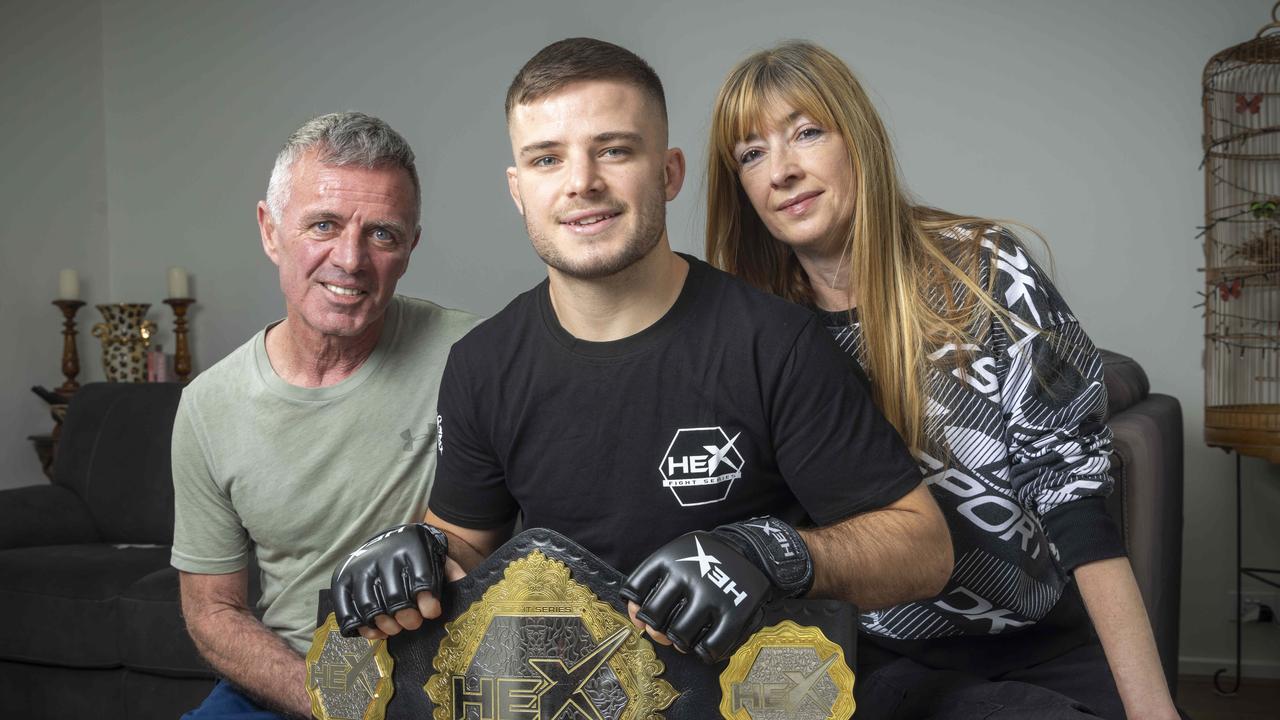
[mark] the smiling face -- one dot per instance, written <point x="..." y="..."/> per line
<point x="799" y="177"/>
<point x="592" y="175"/>
<point x="341" y="242"/>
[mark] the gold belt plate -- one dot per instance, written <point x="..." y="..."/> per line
<point x="539" y="644"/>
<point x="348" y="678"/>
<point x="787" y="672"/>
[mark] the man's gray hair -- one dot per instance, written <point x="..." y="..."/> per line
<point x="342" y="139"/>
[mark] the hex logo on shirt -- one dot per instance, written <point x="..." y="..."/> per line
<point x="700" y="465"/>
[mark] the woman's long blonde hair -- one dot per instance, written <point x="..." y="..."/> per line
<point x="912" y="271"/>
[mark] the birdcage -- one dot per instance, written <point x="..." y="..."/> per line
<point x="1242" y="246"/>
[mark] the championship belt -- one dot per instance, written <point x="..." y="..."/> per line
<point x="537" y="632"/>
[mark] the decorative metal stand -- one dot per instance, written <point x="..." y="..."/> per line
<point x="70" y="356"/>
<point x="1256" y="573"/>
<point x="181" y="352"/>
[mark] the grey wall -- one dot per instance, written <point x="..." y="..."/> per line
<point x="1079" y="118"/>
<point x="53" y="216"/>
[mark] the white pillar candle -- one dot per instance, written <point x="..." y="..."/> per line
<point x="178" y="283"/>
<point x="68" y="285"/>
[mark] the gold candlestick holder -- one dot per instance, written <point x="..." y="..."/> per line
<point x="181" y="351"/>
<point x="70" y="356"/>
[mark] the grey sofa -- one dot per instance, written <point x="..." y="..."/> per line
<point x="91" y="621"/>
<point x="92" y="625"/>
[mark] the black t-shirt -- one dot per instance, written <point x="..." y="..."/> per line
<point x="734" y="404"/>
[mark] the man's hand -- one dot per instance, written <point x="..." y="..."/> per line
<point x="391" y="582"/>
<point x="706" y="591"/>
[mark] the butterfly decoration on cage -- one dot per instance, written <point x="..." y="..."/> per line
<point x="1251" y="105"/>
<point x="1229" y="291"/>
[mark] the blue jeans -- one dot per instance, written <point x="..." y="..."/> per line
<point x="228" y="703"/>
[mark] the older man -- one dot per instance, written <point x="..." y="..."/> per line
<point x="321" y="429"/>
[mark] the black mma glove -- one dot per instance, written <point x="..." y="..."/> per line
<point x="777" y="550"/>
<point x="386" y="573"/>
<point x="706" y="590"/>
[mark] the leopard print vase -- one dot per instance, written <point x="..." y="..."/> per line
<point x="125" y="336"/>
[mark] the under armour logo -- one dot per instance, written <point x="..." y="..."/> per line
<point x="410" y="439"/>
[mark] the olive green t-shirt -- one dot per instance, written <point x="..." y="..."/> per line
<point x="301" y="476"/>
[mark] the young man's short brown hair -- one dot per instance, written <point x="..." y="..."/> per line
<point x="579" y="59"/>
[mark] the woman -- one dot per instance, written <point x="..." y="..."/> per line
<point x="979" y="364"/>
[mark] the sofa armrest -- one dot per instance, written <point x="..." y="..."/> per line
<point x="1147" y="504"/>
<point x="44" y="515"/>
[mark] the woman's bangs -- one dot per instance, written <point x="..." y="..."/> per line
<point x="741" y="111"/>
<point x="756" y="96"/>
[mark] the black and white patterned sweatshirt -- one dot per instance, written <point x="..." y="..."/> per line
<point x="1016" y="456"/>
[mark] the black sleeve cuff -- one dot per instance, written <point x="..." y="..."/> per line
<point x="1083" y="532"/>
<point x="881" y="497"/>
<point x="470" y="522"/>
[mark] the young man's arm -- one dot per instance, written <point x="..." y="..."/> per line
<point x="880" y="538"/>
<point x="468" y="547"/>
<point x="880" y="558"/>
<point x="875" y="559"/>
<point x="238" y="646"/>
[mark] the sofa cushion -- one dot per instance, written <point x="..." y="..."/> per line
<point x="1125" y="379"/>
<point x="43" y="515"/>
<point x="153" y="637"/>
<point x="114" y="454"/>
<point x="59" y="601"/>
<point x="45" y="692"/>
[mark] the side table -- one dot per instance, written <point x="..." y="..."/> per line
<point x="44" y="445"/>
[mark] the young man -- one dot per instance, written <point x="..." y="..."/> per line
<point x="638" y="395"/>
<point x="320" y="429"/>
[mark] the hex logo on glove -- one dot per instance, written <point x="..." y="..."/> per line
<point x="709" y="568"/>
<point x="700" y="465"/>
